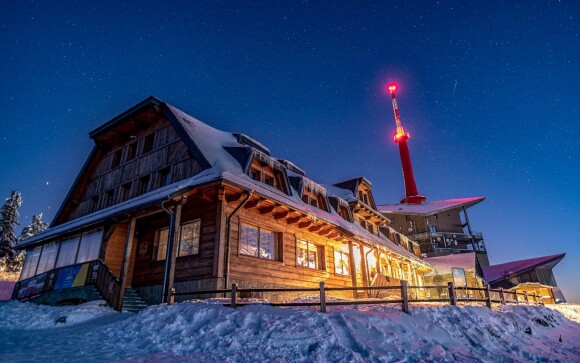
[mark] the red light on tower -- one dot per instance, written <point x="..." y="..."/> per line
<point x="392" y="88"/>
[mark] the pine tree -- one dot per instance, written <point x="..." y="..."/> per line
<point x="8" y="220"/>
<point x="34" y="228"/>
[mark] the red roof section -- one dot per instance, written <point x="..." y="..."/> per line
<point x="429" y="207"/>
<point x="496" y="272"/>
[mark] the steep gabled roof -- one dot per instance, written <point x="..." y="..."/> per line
<point x="429" y="207"/>
<point x="223" y="156"/>
<point x="497" y="272"/>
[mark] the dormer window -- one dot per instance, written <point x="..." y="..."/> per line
<point x="265" y="173"/>
<point x="343" y="212"/>
<point x="314" y="199"/>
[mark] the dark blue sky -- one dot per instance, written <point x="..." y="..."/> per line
<point x="488" y="91"/>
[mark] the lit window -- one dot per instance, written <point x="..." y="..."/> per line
<point x="307" y="255"/>
<point x="341" y="262"/>
<point x="30" y="264"/>
<point x="90" y="246"/>
<point x="68" y="252"/>
<point x="258" y="242"/>
<point x="47" y="258"/>
<point x="188" y="241"/>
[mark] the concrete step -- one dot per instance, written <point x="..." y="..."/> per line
<point x="132" y="301"/>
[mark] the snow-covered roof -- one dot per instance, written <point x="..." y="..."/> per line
<point x="502" y="270"/>
<point x="429" y="207"/>
<point x="443" y="264"/>
<point x="213" y="146"/>
<point x="144" y="200"/>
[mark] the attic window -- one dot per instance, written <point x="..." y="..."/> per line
<point x="125" y="192"/>
<point x="148" y="143"/>
<point x="109" y="198"/>
<point x="144" y="184"/>
<point x="116" y="158"/>
<point x="131" y="151"/>
<point x="164" y="177"/>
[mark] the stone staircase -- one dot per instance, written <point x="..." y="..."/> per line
<point x="132" y="302"/>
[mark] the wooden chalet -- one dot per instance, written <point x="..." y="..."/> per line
<point x="165" y="201"/>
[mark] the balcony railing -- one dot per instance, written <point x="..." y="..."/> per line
<point x="425" y="236"/>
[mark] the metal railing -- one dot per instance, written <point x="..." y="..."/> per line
<point x="486" y="295"/>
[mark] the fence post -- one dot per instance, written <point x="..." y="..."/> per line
<point x="501" y="296"/>
<point x="487" y="297"/>
<point x="405" y="296"/>
<point x="171" y="296"/>
<point x="527" y="298"/>
<point x="233" y="294"/>
<point x="452" y="298"/>
<point x="322" y="297"/>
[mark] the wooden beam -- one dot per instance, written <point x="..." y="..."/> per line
<point x="294" y="220"/>
<point x="267" y="209"/>
<point x="305" y="224"/>
<point x="333" y="235"/>
<point x="234" y="197"/>
<point x="324" y="232"/>
<point x="280" y="215"/>
<point x="253" y="203"/>
<point x="315" y="228"/>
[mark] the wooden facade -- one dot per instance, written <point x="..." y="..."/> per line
<point x="249" y="223"/>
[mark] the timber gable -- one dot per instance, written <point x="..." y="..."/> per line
<point x="129" y="160"/>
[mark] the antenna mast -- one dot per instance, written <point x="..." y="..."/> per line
<point x="400" y="137"/>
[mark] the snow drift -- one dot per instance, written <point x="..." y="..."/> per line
<point x="201" y="331"/>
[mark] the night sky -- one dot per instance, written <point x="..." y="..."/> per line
<point x="488" y="90"/>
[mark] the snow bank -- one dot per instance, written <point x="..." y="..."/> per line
<point x="208" y="332"/>
<point x="28" y="316"/>
<point x="571" y="311"/>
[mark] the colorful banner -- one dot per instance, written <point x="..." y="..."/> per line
<point x="74" y="276"/>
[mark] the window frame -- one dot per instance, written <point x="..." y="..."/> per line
<point x="320" y="262"/>
<point x="157" y="241"/>
<point x="342" y="254"/>
<point x="278" y="238"/>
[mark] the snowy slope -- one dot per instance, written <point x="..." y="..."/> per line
<point x="197" y="331"/>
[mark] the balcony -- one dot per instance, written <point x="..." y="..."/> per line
<point x="446" y="242"/>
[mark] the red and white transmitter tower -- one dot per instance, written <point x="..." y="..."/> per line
<point x="401" y="137"/>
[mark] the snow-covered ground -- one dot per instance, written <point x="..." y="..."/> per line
<point x="207" y="332"/>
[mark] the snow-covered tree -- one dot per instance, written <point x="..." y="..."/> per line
<point x="8" y="220"/>
<point x="34" y="228"/>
